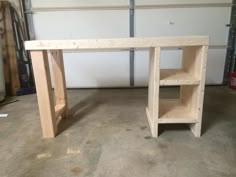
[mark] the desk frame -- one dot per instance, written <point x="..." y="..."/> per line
<point x="51" y="114"/>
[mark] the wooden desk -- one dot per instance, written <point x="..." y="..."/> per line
<point x="191" y="79"/>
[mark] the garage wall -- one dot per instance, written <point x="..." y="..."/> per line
<point x="88" y="70"/>
<point x="67" y="19"/>
<point x="181" y="2"/>
<point x="183" y="21"/>
<point x="76" y="3"/>
<point x="16" y="5"/>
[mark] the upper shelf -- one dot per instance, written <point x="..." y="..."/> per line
<point x="177" y="77"/>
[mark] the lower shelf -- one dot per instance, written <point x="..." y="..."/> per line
<point x="173" y="111"/>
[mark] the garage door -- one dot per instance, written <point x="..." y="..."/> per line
<point x="86" y="19"/>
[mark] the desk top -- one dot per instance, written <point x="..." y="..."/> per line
<point x="117" y="43"/>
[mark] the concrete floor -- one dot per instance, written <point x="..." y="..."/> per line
<point x="108" y="136"/>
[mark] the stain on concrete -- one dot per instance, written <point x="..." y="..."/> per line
<point x="76" y="170"/>
<point x="147" y="137"/>
<point x="128" y="129"/>
<point x="93" y="155"/>
<point x="88" y="142"/>
<point x="151" y="162"/>
<point x="143" y="127"/>
<point x="162" y="146"/>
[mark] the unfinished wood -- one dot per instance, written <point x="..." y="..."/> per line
<point x="59" y="110"/>
<point x="59" y="113"/>
<point x="191" y="60"/>
<point x="58" y="119"/>
<point x="6" y="64"/>
<point x="191" y="78"/>
<point x="44" y="93"/>
<point x="150" y="121"/>
<point x="196" y="128"/>
<point x="174" y="111"/>
<point x="153" y="90"/>
<point x="124" y="43"/>
<point x="177" y="77"/>
<point x="188" y="109"/>
<point x="188" y="97"/>
<point x="10" y="47"/>
<point x="59" y="79"/>
<point x="194" y="62"/>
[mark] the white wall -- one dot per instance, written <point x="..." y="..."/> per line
<point x="77" y="3"/>
<point x="115" y="3"/>
<point x="152" y="18"/>
<point x="98" y="69"/>
<point x="210" y="21"/>
<point x="180" y="2"/>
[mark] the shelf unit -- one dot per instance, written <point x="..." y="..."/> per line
<point x="187" y="108"/>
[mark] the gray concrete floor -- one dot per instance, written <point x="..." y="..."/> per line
<point x="108" y="136"/>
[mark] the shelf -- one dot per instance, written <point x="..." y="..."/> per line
<point x="173" y="111"/>
<point x="177" y="77"/>
<point x="186" y="106"/>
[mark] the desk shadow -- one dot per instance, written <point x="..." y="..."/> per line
<point x="172" y="127"/>
<point x="218" y="107"/>
<point x="79" y="112"/>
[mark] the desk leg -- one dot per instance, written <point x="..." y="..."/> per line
<point x="44" y="93"/>
<point x="59" y="81"/>
<point x="153" y="90"/>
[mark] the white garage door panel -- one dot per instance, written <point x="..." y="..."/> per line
<point x="81" y="24"/>
<point x="172" y="59"/>
<point x="77" y="3"/>
<point x="169" y="2"/>
<point x="97" y="69"/>
<point x="83" y="70"/>
<point x="98" y="3"/>
<point x="184" y="21"/>
<point x="169" y="59"/>
<point x="215" y="66"/>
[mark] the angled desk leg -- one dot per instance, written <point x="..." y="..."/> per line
<point x="61" y="107"/>
<point x="153" y="90"/>
<point x="44" y="93"/>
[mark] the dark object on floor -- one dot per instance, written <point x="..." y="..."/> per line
<point x="23" y="58"/>
<point x="16" y="61"/>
